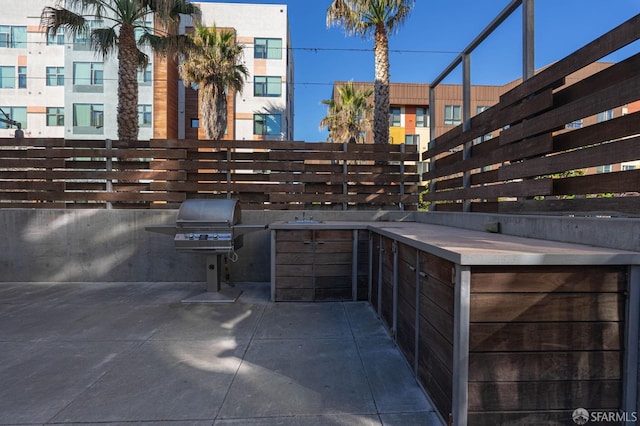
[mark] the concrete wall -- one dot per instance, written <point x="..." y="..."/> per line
<point x="113" y="245"/>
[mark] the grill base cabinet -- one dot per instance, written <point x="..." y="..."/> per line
<point x="499" y="330"/>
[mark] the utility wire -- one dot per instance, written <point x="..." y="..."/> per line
<point x="313" y="49"/>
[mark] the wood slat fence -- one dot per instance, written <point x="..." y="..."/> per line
<point x="524" y="169"/>
<point x="58" y="173"/>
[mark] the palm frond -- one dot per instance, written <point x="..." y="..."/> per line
<point x="83" y="6"/>
<point x="52" y="19"/>
<point x="104" y="41"/>
<point x="143" y="60"/>
<point x="360" y="17"/>
<point x="170" y="45"/>
<point x="168" y="12"/>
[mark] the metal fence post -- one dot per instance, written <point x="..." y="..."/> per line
<point x="402" y="176"/>
<point x="462" y="301"/>
<point x="228" y="172"/>
<point x="466" y="124"/>
<point x="109" y="168"/>
<point x="528" y="44"/>
<point x="345" y="184"/>
<point x="432" y="140"/>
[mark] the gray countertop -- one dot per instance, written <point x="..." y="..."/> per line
<point x="467" y="247"/>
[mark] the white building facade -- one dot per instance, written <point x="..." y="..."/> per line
<point x="264" y="109"/>
<point x="60" y="88"/>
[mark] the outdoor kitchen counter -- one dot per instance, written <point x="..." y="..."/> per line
<point x="493" y="325"/>
<point x="468" y="247"/>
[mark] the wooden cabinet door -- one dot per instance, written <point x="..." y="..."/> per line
<point x="294" y="265"/>
<point x="333" y="264"/>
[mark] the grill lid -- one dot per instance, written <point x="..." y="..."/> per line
<point x="217" y="212"/>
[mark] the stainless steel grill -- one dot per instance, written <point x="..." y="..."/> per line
<point x="210" y="227"/>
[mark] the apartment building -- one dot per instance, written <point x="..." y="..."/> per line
<point x="264" y="109"/>
<point x="58" y="87"/>
<point x="409" y="119"/>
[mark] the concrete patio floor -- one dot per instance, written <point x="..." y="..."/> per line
<point x="116" y="353"/>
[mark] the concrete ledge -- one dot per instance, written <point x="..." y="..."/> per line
<point x="616" y="233"/>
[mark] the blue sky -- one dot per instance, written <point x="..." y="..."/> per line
<point x="430" y="39"/>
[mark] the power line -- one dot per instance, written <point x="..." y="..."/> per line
<point x="108" y="79"/>
<point x="353" y="49"/>
<point x="313" y="49"/>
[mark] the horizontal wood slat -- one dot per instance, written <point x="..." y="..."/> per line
<point x="619" y="37"/>
<point x="609" y="153"/>
<point x="567" y="120"/>
<point x="161" y="173"/>
<point x="620" y="93"/>
<point x="510" y="189"/>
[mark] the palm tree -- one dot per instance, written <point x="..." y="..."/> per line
<point x="378" y="18"/>
<point x="214" y="65"/>
<point x="122" y="18"/>
<point x="349" y="114"/>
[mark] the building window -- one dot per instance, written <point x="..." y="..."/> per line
<point x="395" y="119"/>
<point x="82" y="40"/>
<point x="55" y="76"/>
<point x="412" y="139"/>
<point x="195" y="123"/>
<point x="267" y="86"/>
<point x="146" y="75"/>
<point x="88" y="76"/>
<point x="88" y="118"/>
<point x="56" y="40"/>
<point x="141" y="29"/>
<point x="13" y="37"/>
<point x="604" y="116"/>
<point x="627" y="167"/>
<point x="577" y="124"/>
<point x="422" y="117"/>
<point x="144" y="115"/>
<point x="268" y="48"/>
<point x="18" y="114"/>
<point x="22" y="77"/>
<point x="7" y="77"/>
<point x="267" y="124"/>
<point x="604" y="169"/>
<point x="55" y="116"/>
<point x="452" y="115"/>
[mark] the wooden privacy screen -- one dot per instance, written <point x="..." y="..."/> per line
<point x="57" y="173"/>
<point x="541" y="147"/>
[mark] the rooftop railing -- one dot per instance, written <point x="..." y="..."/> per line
<point x="538" y="149"/>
